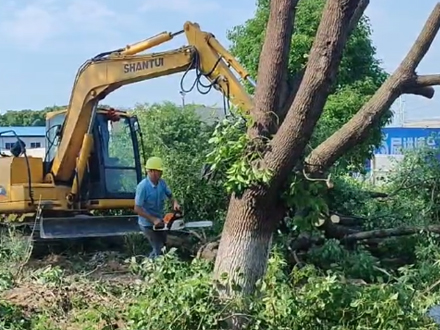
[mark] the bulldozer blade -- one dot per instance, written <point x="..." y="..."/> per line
<point x="88" y="226"/>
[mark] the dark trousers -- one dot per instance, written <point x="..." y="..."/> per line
<point x="157" y="240"/>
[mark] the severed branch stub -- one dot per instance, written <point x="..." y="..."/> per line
<point x="333" y="218"/>
<point x="403" y="81"/>
<point x="422" y="85"/>
<point x="428" y="80"/>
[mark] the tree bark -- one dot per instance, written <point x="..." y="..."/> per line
<point x="245" y="242"/>
<point x="252" y="218"/>
<point x="290" y="141"/>
<point x="247" y="233"/>
<point x="292" y="83"/>
<point x="272" y="67"/>
<point x="403" y="80"/>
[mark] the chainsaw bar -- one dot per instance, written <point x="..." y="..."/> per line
<point x="198" y="224"/>
<point x="177" y="225"/>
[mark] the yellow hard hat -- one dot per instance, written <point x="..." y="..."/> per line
<point x="154" y="163"/>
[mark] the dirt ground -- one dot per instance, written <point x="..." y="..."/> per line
<point x="75" y="282"/>
<point x="70" y="284"/>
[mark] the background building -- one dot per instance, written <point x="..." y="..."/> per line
<point x="397" y="140"/>
<point x="33" y="136"/>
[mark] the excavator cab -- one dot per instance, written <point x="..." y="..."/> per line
<point x="114" y="166"/>
<point x="114" y="169"/>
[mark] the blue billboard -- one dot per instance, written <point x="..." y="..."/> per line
<point x="397" y="139"/>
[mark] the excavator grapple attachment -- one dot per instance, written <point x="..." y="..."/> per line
<point x="88" y="226"/>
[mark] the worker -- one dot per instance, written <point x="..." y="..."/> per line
<point x="151" y="194"/>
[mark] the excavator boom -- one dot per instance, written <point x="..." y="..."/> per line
<point x="109" y="71"/>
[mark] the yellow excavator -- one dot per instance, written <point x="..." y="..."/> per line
<point x="93" y="155"/>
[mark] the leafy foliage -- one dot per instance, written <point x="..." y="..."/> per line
<point x="27" y="117"/>
<point x="358" y="60"/>
<point x="333" y="302"/>
<point x="411" y="189"/>
<point x="333" y="286"/>
<point x="358" y="78"/>
<point x="233" y="158"/>
<point x="180" y="137"/>
<point x="171" y="293"/>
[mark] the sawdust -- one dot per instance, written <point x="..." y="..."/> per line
<point x="70" y="289"/>
<point x="63" y="304"/>
<point x="32" y="297"/>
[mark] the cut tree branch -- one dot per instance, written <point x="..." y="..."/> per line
<point x="325" y="56"/>
<point x="422" y="85"/>
<point x="428" y="80"/>
<point x="357" y="128"/>
<point x="292" y="83"/>
<point x="272" y="65"/>
<point x="391" y="232"/>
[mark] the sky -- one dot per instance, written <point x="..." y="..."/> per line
<point x="44" y="42"/>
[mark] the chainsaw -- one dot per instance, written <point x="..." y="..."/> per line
<point x="174" y="221"/>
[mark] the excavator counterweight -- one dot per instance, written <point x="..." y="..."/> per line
<point x="93" y="159"/>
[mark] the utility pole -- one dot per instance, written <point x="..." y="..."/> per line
<point x="182" y="93"/>
<point x="401" y="111"/>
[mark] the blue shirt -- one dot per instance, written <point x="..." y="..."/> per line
<point x="152" y="199"/>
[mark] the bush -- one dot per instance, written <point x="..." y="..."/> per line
<point x="176" y="295"/>
<point x="331" y="286"/>
<point x="305" y="298"/>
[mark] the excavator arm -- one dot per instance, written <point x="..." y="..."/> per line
<point x="107" y="72"/>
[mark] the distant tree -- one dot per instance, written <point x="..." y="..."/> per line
<point x="27" y="117"/>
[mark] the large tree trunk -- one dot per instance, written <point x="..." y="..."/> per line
<point x="252" y="219"/>
<point x="247" y="233"/>
<point x="245" y="243"/>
